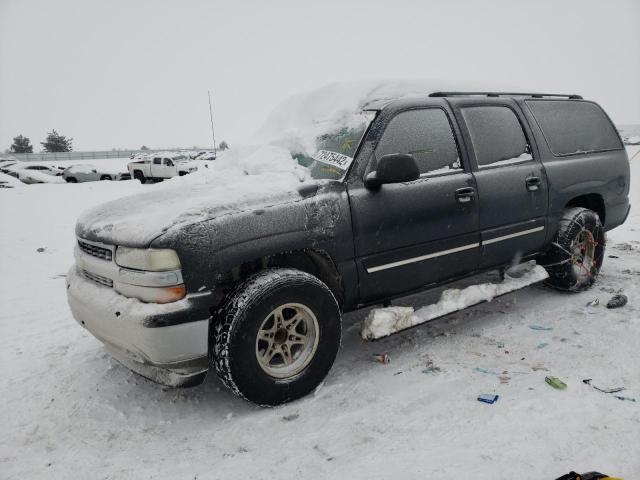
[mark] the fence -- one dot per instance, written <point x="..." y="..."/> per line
<point x="95" y="155"/>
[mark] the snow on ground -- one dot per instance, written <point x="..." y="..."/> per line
<point x="70" y="411"/>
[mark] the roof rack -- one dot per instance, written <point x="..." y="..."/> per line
<point x="504" y="94"/>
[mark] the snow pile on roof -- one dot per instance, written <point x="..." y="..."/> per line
<point x="298" y="120"/>
<point x="382" y="322"/>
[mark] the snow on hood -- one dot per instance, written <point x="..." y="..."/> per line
<point x="268" y="176"/>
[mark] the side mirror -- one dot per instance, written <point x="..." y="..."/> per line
<point x="393" y="168"/>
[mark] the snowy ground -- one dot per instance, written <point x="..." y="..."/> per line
<point x="70" y="411"/>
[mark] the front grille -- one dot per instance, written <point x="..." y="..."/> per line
<point x="100" y="252"/>
<point x="107" y="282"/>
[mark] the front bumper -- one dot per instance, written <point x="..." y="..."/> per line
<point x="166" y="343"/>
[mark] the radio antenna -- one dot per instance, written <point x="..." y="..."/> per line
<point x="213" y="135"/>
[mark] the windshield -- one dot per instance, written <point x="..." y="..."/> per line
<point x="332" y="146"/>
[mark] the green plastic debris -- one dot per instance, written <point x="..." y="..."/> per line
<point x="555" y="382"/>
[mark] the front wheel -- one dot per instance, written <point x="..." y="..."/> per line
<point x="577" y="252"/>
<point x="276" y="336"/>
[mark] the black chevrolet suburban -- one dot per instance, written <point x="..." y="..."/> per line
<point x="403" y="195"/>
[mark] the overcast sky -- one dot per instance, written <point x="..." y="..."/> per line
<point x="127" y="73"/>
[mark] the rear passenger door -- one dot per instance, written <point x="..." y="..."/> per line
<point x="511" y="181"/>
<point x="411" y="234"/>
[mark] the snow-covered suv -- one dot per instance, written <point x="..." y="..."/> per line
<point x="407" y="194"/>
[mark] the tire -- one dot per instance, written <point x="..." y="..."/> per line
<point x="72" y="180"/>
<point x="577" y="252"/>
<point x="105" y="177"/>
<point x="252" y="308"/>
<point x="138" y="175"/>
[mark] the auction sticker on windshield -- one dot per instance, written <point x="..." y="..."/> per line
<point x="333" y="158"/>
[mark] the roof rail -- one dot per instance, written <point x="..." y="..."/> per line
<point x="504" y="94"/>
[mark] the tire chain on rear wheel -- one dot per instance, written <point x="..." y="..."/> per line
<point x="559" y="256"/>
<point x="236" y="299"/>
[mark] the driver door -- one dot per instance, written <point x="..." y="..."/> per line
<point x="412" y="234"/>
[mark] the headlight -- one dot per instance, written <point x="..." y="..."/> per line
<point x="147" y="259"/>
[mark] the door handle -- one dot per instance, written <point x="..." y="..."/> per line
<point x="465" y="195"/>
<point x="533" y="183"/>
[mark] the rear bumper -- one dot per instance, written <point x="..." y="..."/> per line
<point x="166" y="343"/>
<point x="616" y="215"/>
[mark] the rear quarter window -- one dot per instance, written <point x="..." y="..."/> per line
<point x="572" y="127"/>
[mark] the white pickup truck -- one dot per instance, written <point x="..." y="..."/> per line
<point x="158" y="166"/>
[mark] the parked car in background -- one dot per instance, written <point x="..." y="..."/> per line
<point x="89" y="173"/>
<point x="5" y="165"/>
<point x="206" y="156"/>
<point x="22" y="170"/>
<point x="36" y="173"/>
<point x="160" y="166"/>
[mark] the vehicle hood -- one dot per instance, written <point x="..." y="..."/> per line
<point x="137" y="220"/>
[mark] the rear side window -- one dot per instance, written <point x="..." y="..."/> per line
<point x="157" y="161"/>
<point x="497" y="135"/>
<point x="571" y="127"/>
<point x="426" y="134"/>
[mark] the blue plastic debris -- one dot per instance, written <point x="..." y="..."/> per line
<point x="542" y="345"/>
<point x="485" y="370"/>
<point x="540" y="327"/>
<point x="488" y="398"/>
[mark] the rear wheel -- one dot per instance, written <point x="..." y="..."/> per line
<point x="577" y="252"/>
<point x="276" y="336"/>
<point x="138" y="175"/>
<point x="72" y="180"/>
<point x="105" y="177"/>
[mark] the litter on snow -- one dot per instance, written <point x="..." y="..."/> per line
<point x="555" y="382"/>
<point x="603" y="390"/>
<point x="628" y="399"/>
<point x="382" y="322"/>
<point x="541" y="345"/>
<point x="488" y="398"/>
<point x="485" y="370"/>
<point x="381" y="358"/>
<point x="540" y="327"/>
<point x="594" y="303"/>
<point x="617" y="301"/>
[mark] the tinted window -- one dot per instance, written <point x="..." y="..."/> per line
<point x="157" y="161"/>
<point x="574" y="127"/>
<point x="168" y="162"/>
<point x="426" y="134"/>
<point x="496" y="135"/>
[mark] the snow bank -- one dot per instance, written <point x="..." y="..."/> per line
<point x="382" y="322"/>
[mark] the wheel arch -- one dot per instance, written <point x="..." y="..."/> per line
<point x="312" y="261"/>
<point x="592" y="201"/>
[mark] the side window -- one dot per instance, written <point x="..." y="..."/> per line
<point x="157" y="161"/>
<point x="497" y="136"/>
<point x="426" y="134"/>
<point x="167" y="162"/>
<point x="571" y="127"/>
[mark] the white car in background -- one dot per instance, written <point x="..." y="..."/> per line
<point x="89" y="173"/>
<point x="160" y="166"/>
<point x="36" y="173"/>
